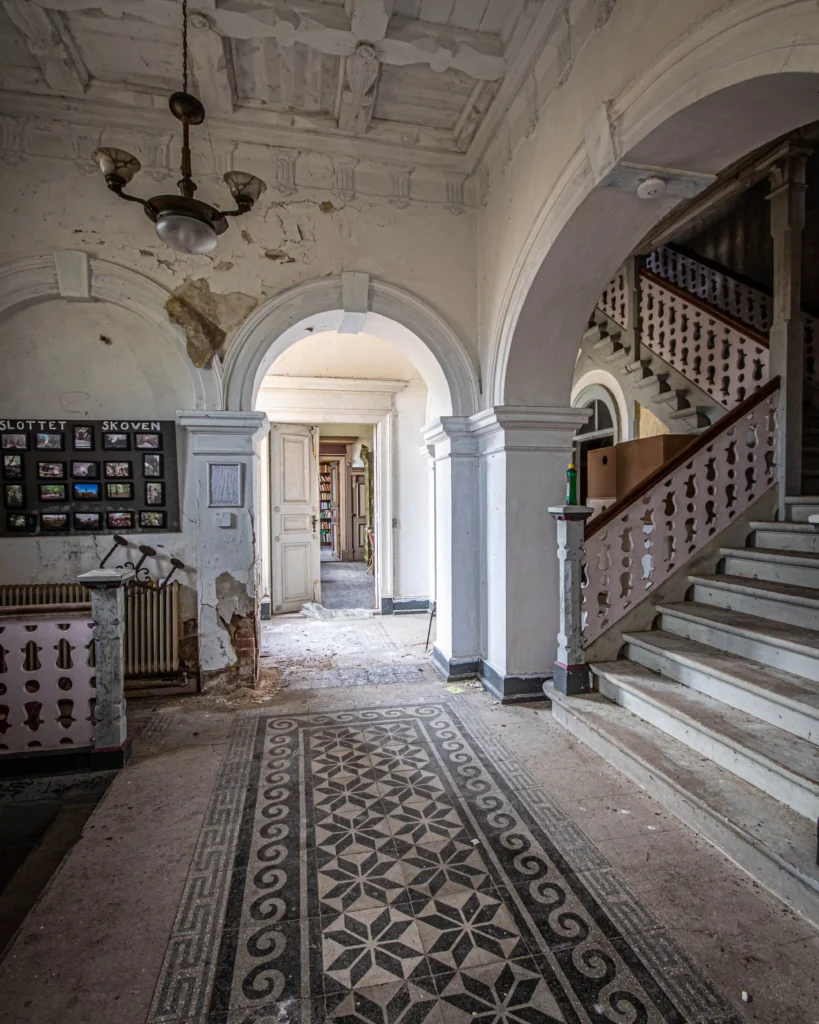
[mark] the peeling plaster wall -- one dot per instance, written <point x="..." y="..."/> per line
<point x="66" y="360"/>
<point x="55" y="204"/>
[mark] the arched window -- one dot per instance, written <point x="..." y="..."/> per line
<point x="601" y="430"/>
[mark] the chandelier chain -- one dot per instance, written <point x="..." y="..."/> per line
<point x="184" y="45"/>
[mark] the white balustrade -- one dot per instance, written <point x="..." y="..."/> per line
<point x="630" y="555"/>
<point x="47" y="676"/>
<point x="722" y="357"/>
<point x="743" y="302"/>
<point x="614" y="301"/>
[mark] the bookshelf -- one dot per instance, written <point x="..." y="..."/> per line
<point x="328" y="503"/>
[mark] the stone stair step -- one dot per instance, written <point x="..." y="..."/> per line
<point x="769" y="599"/>
<point x="801" y="537"/>
<point x="786" y="701"/>
<point x="797" y="568"/>
<point x="775" y="761"/>
<point x="801" y="507"/>
<point x="775" y="845"/>
<point x="780" y="645"/>
<point x="656" y="381"/>
<point x="696" y="416"/>
<point x="674" y="398"/>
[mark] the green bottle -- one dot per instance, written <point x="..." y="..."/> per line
<point x="571" y="485"/>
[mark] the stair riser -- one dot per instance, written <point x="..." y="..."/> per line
<point x="776" y="572"/>
<point x="771" y="779"/>
<point x="751" y="604"/>
<point x="783" y="540"/>
<point x="783" y="716"/>
<point x="799" y="512"/>
<point x="740" y="847"/>
<point x="756" y="648"/>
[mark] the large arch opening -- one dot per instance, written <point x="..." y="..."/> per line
<point x="590" y="228"/>
<point x="386" y="371"/>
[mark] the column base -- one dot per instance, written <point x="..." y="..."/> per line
<point x="453" y="669"/>
<point x="53" y="762"/>
<point x="572" y="679"/>
<point x="513" y="689"/>
<point x="405" y="605"/>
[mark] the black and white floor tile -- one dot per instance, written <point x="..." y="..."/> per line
<point x="396" y="865"/>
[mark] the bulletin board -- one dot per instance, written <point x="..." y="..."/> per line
<point x="63" y="477"/>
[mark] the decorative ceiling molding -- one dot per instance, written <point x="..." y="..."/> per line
<point x="377" y="57"/>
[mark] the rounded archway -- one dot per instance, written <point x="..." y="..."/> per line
<point x="34" y="281"/>
<point x="391" y="314"/>
<point x="702" y="107"/>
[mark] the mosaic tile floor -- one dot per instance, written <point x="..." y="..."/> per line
<point x="397" y="865"/>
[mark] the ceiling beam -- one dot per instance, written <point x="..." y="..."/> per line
<point x="212" y="66"/>
<point x="50" y="44"/>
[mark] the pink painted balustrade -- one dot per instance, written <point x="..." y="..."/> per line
<point x="639" y="541"/>
<point x="47" y="682"/>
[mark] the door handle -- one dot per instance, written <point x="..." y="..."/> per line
<point x="315" y="520"/>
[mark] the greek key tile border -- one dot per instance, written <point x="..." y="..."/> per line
<point x="186" y="977"/>
<point x="251" y="928"/>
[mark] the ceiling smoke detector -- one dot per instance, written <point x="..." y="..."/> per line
<point x="651" y="188"/>
<point x="182" y="222"/>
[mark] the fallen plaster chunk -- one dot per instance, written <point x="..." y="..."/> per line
<point x="311" y="610"/>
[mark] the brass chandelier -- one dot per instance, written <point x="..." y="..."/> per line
<point x="183" y="223"/>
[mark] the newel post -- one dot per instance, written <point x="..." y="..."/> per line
<point x="572" y="674"/>
<point x="107" y="587"/>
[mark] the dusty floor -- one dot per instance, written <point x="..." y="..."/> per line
<point x="346" y="585"/>
<point x="131" y="928"/>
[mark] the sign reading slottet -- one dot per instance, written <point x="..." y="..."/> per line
<point x="88" y="476"/>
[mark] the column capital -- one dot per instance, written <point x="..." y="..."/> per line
<point x="527" y="428"/>
<point x="453" y="435"/>
<point x="224" y="433"/>
<point x="105" y="579"/>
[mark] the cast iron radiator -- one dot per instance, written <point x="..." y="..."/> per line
<point x="151" y="620"/>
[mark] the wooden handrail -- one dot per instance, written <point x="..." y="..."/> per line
<point x="698" y="442"/>
<point x="704" y="307"/>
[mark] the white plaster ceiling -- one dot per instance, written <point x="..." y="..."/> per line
<point x="331" y="354"/>
<point x="413" y="76"/>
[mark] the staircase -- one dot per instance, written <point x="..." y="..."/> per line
<point x="715" y="711"/>
<point x="649" y="380"/>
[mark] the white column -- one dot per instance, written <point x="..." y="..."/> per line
<point x="227" y="569"/>
<point x="787" y="347"/>
<point x="107" y="586"/>
<point x="524" y="456"/>
<point x="451" y="443"/>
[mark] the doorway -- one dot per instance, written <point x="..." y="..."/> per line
<point x="347" y="529"/>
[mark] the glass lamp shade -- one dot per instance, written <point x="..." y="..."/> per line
<point x="116" y="161"/>
<point x="185" y="234"/>
<point x="241" y="183"/>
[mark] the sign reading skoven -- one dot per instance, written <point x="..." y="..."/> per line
<point x="88" y="476"/>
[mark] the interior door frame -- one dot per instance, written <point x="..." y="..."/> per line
<point x="315" y="567"/>
<point x="384" y="475"/>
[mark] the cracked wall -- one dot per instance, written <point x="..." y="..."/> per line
<point x="286" y="240"/>
<point x="68" y="360"/>
<point x="65" y="359"/>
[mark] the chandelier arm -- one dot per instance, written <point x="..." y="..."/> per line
<point x="242" y="207"/>
<point x="117" y="184"/>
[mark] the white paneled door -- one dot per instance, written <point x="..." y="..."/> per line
<point x="294" y="509"/>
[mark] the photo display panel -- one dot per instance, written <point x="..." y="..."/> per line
<point x="88" y="476"/>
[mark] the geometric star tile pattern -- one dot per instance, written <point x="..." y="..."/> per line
<point x="396" y="865"/>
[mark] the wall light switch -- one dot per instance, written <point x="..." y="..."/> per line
<point x="225" y="520"/>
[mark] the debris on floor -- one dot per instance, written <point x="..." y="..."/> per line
<point x="311" y="610"/>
